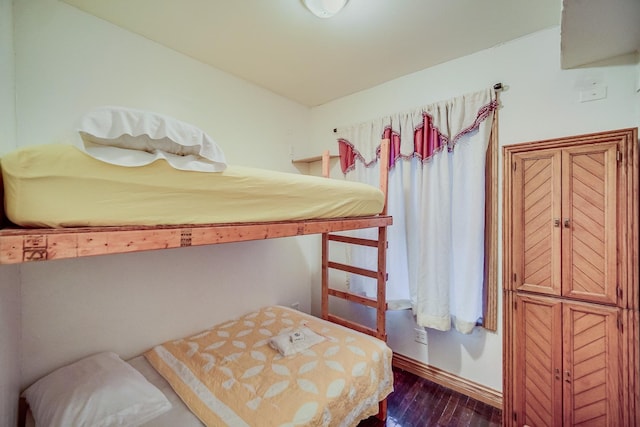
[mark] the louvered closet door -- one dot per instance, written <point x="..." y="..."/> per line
<point x="538" y="340"/>
<point x="591" y="365"/>
<point x="589" y="222"/>
<point x="536" y="222"/>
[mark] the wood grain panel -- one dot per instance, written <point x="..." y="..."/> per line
<point x="491" y="220"/>
<point x="591" y="365"/>
<point x="538" y="360"/>
<point x="600" y="343"/>
<point x="589" y="213"/>
<point x="26" y="245"/>
<point x="535" y="233"/>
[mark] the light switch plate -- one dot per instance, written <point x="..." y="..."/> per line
<point x="593" y="93"/>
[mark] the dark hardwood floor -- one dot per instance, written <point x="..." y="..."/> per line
<point x="417" y="402"/>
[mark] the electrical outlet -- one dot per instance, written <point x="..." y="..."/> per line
<point x="421" y="336"/>
<point x="295" y="305"/>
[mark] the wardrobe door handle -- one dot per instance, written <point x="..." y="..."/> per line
<point x="566" y="223"/>
<point x="556" y="222"/>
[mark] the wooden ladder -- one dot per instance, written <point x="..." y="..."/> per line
<point x="380" y="302"/>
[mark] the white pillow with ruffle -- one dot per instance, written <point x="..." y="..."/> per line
<point x="128" y="137"/>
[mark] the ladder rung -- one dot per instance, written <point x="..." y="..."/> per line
<point x="354" y="270"/>
<point x="352" y="325"/>
<point x="368" y="301"/>
<point x="353" y="240"/>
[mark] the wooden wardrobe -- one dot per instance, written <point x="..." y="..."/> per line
<point x="571" y="293"/>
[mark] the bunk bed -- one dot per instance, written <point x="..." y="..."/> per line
<point x="19" y="244"/>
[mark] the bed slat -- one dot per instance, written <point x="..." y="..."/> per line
<point x="352" y="325"/>
<point x="369" y="302"/>
<point x="353" y="240"/>
<point x="355" y="270"/>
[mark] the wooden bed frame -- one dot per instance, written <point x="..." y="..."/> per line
<point x="21" y="245"/>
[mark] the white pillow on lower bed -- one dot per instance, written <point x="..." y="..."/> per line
<point x="98" y="391"/>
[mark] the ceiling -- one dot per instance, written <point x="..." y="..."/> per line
<point x="280" y="46"/>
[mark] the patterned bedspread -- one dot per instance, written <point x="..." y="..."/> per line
<point x="229" y="375"/>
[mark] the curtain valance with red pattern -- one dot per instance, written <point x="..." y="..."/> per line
<point x="430" y="134"/>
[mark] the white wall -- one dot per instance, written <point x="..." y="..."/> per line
<point x="541" y="102"/>
<point x="9" y="344"/>
<point x="7" y="79"/>
<point x="67" y="62"/>
<point x="9" y="275"/>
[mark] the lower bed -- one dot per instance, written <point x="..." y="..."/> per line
<point x="232" y="375"/>
<point x="57" y="185"/>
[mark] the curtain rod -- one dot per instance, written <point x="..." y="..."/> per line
<point x="497" y="87"/>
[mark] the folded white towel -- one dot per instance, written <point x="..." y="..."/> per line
<point x="295" y="341"/>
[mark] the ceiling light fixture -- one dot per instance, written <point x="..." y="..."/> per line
<point x="325" y="8"/>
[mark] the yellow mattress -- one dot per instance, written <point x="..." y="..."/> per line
<point x="57" y="185"/>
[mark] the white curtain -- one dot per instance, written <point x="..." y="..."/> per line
<point x="436" y="197"/>
<point x="367" y="169"/>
